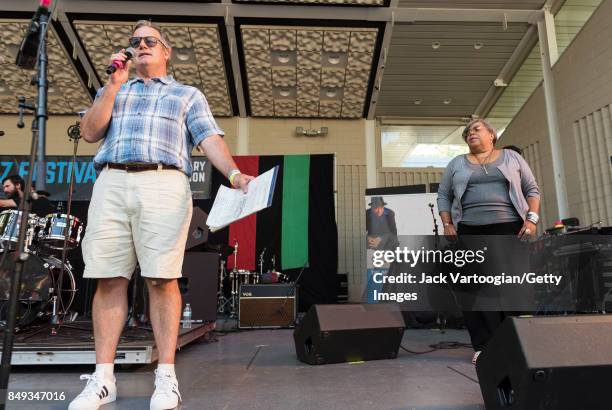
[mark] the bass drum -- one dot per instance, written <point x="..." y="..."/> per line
<point x="39" y="278"/>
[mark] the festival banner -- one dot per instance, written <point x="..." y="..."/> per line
<point x="59" y="169"/>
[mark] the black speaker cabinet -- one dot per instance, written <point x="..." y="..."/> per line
<point x="267" y="306"/>
<point x="199" y="284"/>
<point x="348" y="333"/>
<point x="548" y="363"/>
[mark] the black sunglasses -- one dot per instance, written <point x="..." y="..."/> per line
<point x="150" y="41"/>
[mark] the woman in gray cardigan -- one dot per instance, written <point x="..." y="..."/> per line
<point x="487" y="192"/>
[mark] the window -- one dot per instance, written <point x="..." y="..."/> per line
<point x="421" y="146"/>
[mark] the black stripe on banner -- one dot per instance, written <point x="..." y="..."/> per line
<point x="319" y="282"/>
<point x="323" y="233"/>
<point x="269" y="220"/>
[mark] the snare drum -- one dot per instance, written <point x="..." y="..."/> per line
<point x="9" y="229"/>
<point x="54" y="229"/>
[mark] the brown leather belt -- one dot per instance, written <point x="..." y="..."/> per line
<point x="139" y="167"/>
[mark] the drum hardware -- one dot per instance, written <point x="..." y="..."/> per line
<point x="222" y="301"/>
<point x="134" y="318"/>
<point x="234" y="283"/>
<point x="236" y="277"/>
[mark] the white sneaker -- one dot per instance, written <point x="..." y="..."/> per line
<point x="475" y="357"/>
<point x="96" y="393"/>
<point x="166" y="394"/>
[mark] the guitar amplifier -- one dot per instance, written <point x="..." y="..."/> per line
<point x="267" y="306"/>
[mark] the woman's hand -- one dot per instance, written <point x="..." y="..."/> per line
<point x="449" y="230"/>
<point x="528" y="231"/>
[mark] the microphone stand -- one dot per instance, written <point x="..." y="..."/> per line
<point x="38" y="131"/>
<point x="440" y="319"/>
<point x="74" y="134"/>
<point x="261" y="262"/>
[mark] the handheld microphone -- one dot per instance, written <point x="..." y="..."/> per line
<point x="129" y="52"/>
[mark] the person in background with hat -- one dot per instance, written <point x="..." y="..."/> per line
<point x="487" y="192"/>
<point x="380" y="225"/>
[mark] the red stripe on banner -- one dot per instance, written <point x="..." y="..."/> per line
<point x="244" y="232"/>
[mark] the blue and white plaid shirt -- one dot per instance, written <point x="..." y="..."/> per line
<point x="158" y="121"/>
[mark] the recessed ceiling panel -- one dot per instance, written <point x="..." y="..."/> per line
<point x="322" y="2"/>
<point x="437" y="69"/>
<point x="308" y="71"/>
<point x="197" y="57"/>
<point x="66" y="93"/>
<point x="475" y="4"/>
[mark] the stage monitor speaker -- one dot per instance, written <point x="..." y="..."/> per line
<point x="199" y="284"/>
<point x="548" y="363"/>
<point x="198" y="231"/>
<point x="348" y="333"/>
<point x="267" y="306"/>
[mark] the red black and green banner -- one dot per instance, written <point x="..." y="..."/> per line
<point x="298" y="231"/>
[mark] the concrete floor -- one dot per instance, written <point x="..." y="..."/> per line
<point x="259" y="370"/>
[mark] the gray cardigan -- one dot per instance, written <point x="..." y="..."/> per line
<point x="457" y="174"/>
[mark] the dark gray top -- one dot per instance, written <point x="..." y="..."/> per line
<point x="513" y="167"/>
<point x="486" y="199"/>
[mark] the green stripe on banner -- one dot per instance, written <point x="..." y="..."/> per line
<point x="296" y="180"/>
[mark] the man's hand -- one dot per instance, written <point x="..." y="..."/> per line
<point x="120" y="75"/>
<point x="241" y="181"/>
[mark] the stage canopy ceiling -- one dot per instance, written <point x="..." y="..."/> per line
<point x="340" y="59"/>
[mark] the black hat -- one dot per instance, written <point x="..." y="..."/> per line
<point x="377" y="201"/>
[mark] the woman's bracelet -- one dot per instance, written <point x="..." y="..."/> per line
<point x="533" y="217"/>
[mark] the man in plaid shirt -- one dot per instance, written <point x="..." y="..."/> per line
<point x="141" y="205"/>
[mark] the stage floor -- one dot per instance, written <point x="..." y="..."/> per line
<point x="258" y="369"/>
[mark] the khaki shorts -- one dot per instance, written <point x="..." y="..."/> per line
<point x="137" y="217"/>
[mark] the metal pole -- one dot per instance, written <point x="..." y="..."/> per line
<point x="548" y="54"/>
<point x="370" y="153"/>
<point x="38" y="130"/>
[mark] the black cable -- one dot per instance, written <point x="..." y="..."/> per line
<point x="450" y="345"/>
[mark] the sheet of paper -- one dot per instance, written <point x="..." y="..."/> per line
<point x="232" y="204"/>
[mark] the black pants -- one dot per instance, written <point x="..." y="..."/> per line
<point x="482" y="325"/>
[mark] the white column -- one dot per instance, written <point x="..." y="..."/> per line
<point x="242" y="142"/>
<point x="549" y="54"/>
<point x="370" y="153"/>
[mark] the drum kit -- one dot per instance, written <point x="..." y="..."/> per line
<point x="48" y="283"/>
<point x="230" y="282"/>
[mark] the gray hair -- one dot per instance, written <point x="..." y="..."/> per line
<point x="488" y="126"/>
<point x="149" y="23"/>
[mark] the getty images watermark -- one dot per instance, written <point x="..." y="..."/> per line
<point x="487" y="273"/>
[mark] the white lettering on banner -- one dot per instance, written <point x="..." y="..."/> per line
<point x="198" y="177"/>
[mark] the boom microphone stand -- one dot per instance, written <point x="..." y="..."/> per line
<point x="38" y="26"/>
<point x="74" y="134"/>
